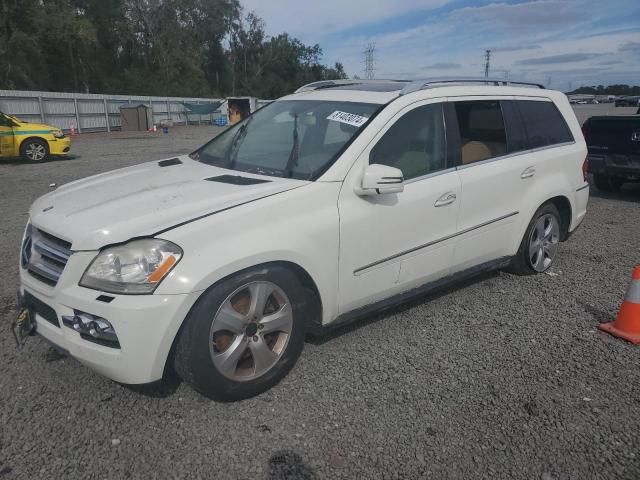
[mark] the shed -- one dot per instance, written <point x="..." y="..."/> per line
<point x="135" y="118"/>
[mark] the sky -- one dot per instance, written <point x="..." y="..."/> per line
<point x="563" y="44"/>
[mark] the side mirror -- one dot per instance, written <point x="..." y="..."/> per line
<point x="379" y="179"/>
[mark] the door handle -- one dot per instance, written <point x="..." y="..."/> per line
<point x="446" y="199"/>
<point x="528" y="172"/>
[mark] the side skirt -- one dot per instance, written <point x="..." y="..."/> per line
<point x="400" y="298"/>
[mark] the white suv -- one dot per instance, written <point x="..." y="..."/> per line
<point x="343" y="198"/>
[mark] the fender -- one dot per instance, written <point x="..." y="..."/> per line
<point x="253" y="234"/>
<point x="554" y="184"/>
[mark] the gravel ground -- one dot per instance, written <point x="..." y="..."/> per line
<point x="502" y="377"/>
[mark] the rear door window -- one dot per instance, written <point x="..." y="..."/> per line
<point x="543" y="123"/>
<point x="482" y="132"/>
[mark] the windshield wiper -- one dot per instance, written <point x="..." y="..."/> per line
<point x="264" y="171"/>
<point x="233" y="149"/>
<point x="293" y="156"/>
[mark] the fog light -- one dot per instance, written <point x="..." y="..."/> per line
<point x="92" y="328"/>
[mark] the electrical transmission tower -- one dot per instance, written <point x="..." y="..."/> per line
<point x="369" y="61"/>
<point x="487" y="59"/>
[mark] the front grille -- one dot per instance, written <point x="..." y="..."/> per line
<point x="45" y="256"/>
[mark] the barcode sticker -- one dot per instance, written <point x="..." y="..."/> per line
<point x="348" y="118"/>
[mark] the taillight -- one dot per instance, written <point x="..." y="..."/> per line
<point x="585" y="169"/>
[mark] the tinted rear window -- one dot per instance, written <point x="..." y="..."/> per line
<point x="516" y="134"/>
<point x="613" y="133"/>
<point x="543" y="123"/>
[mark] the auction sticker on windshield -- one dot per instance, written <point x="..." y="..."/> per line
<point x="349" y="118"/>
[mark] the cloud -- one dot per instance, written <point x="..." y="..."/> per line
<point x="630" y="47"/>
<point x="514" y="48"/>
<point x="442" y="66"/>
<point x="609" y="62"/>
<point x="563" y="58"/>
<point x="573" y="71"/>
<point x="528" y="38"/>
<point x="527" y="15"/>
<point x="311" y="20"/>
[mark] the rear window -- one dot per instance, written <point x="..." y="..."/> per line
<point x="612" y="125"/>
<point x="613" y="133"/>
<point x="543" y="123"/>
<point x="516" y="134"/>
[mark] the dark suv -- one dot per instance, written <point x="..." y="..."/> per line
<point x="614" y="150"/>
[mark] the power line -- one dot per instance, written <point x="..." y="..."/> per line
<point x="487" y="59"/>
<point x="369" y="61"/>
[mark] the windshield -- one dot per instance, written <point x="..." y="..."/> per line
<point x="289" y="138"/>
<point x="12" y="118"/>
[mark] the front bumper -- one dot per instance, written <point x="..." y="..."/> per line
<point x="146" y="325"/>
<point x="59" y="146"/>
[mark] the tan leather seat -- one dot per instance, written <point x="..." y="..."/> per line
<point x="475" y="151"/>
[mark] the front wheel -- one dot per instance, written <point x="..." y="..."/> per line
<point x="539" y="244"/>
<point x="243" y="335"/>
<point x="34" y="150"/>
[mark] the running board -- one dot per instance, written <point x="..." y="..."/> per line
<point x="400" y="298"/>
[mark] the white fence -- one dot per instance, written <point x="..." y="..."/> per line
<point x="93" y="112"/>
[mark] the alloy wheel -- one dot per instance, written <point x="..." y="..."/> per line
<point x="543" y="242"/>
<point x="250" y="331"/>
<point x="35" y="152"/>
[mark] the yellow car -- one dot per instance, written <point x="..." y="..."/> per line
<point x="34" y="142"/>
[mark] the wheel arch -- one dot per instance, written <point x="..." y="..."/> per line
<point x="557" y="198"/>
<point x="563" y="205"/>
<point x="312" y="293"/>
<point x="26" y="139"/>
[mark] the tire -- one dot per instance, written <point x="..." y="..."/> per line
<point x="529" y="262"/>
<point x="607" y="184"/>
<point x="34" y="150"/>
<point x="219" y="362"/>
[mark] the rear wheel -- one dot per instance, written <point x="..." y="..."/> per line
<point x="243" y="335"/>
<point x="34" y="150"/>
<point x="539" y="244"/>
<point x="607" y="184"/>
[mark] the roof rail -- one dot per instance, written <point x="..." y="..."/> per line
<point x="349" y="81"/>
<point x="416" y="85"/>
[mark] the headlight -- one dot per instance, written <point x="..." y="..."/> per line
<point x="134" y="268"/>
<point x="57" y="133"/>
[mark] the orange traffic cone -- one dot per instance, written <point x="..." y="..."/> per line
<point x="627" y="324"/>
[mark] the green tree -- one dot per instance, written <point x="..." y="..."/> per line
<point x="150" y="47"/>
<point x="20" y="48"/>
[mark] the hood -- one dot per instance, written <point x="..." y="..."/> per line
<point x="36" y="126"/>
<point x="145" y="199"/>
